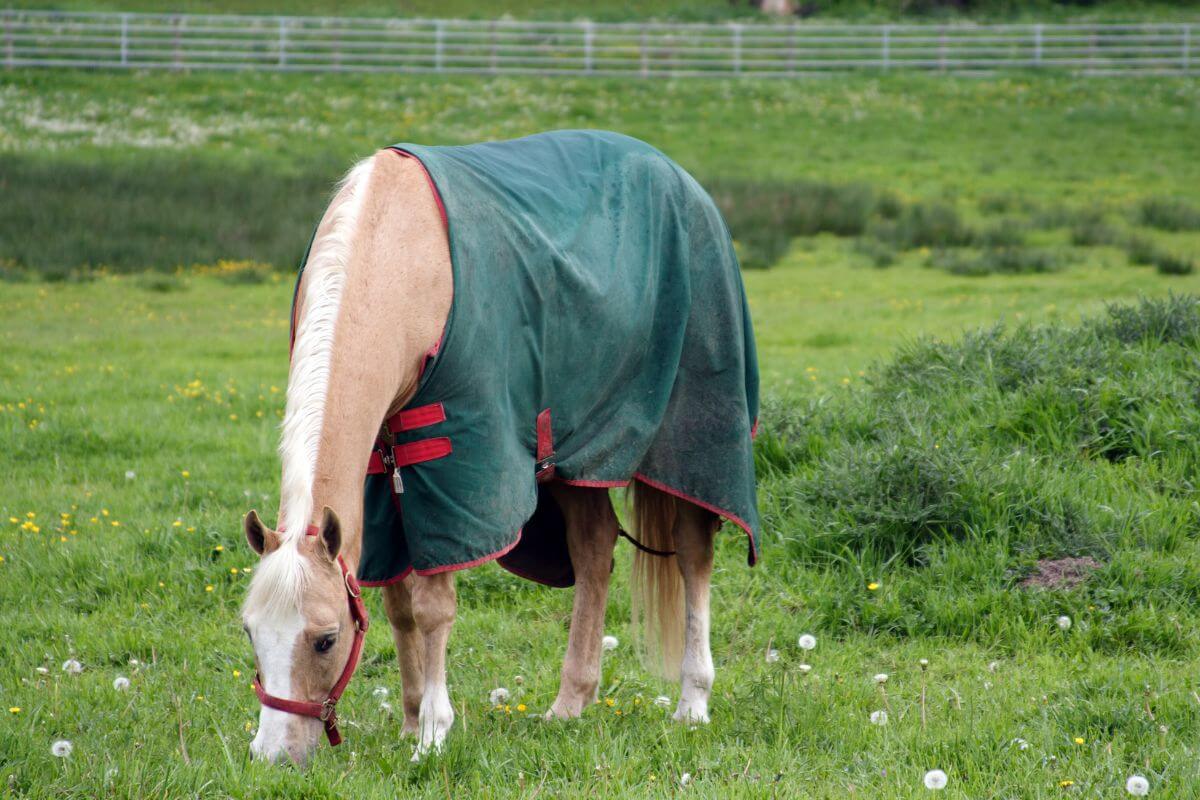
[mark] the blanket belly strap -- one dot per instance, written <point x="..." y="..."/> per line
<point x="422" y="450"/>
<point x="418" y="417"/>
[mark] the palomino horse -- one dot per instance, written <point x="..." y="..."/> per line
<point x="473" y="292"/>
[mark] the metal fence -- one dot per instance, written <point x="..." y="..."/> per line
<point x="511" y="47"/>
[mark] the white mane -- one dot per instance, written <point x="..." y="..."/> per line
<point x="281" y="576"/>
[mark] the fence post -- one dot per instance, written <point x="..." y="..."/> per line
<point x="887" y="48"/>
<point x="1187" y="46"/>
<point x="589" y="34"/>
<point x="1037" y="44"/>
<point x="736" y="30"/>
<point x="439" y="48"/>
<point x="283" y="41"/>
<point x="124" y="40"/>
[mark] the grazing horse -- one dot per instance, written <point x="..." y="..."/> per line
<point x="494" y="336"/>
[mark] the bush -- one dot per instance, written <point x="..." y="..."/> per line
<point x="1143" y="251"/>
<point x="1002" y="260"/>
<point x="881" y="254"/>
<point x="1092" y="230"/>
<point x="929" y="225"/>
<point x="1168" y="214"/>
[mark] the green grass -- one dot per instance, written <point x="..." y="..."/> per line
<point x="117" y="374"/>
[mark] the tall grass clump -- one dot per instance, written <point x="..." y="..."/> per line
<point x="1168" y="214"/>
<point x="997" y="449"/>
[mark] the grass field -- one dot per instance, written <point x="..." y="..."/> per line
<point x="138" y="419"/>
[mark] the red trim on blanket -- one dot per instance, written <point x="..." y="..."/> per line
<point x="662" y="487"/>
<point x="754" y="428"/>
<point x="545" y="447"/>
<point x="422" y="450"/>
<point x="387" y="581"/>
<point x="474" y="563"/>
<point x="437" y="196"/>
<point x="418" y="417"/>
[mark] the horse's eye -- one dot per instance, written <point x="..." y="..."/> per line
<point x="324" y="643"/>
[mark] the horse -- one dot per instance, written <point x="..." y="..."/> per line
<point x="467" y="288"/>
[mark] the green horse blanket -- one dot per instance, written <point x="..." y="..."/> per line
<point x="598" y="334"/>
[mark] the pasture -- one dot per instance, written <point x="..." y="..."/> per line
<point x="908" y="487"/>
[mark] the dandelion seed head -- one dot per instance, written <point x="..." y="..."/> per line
<point x="61" y="749"/>
<point x="881" y="678"/>
<point x="379" y="692"/>
<point x="935" y="779"/>
<point x="686" y="778"/>
<point x="662" y="701"/>
<point x="807" y="641"/>
<point x="121" y="683"/>
<point x="609" y="643"/>
<point x="1137" y="786"/>
<point x="772" y="656"/>
<point x="130" y="474"/>
<point x="72" y="667"/>
<point x="42" y="671"/>
<point x="499" y="695"/>
<point x="805" y="668"/>
<point x="385" y="707"/>
<point x="879" y="718"/>
<point x="1064" y="623"/>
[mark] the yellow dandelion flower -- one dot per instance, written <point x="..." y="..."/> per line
<point x="233" y="417"/>
<point x="1067" y="784"/>
<point x="13" y="520"/>
<point x="208" y="588"/>
<point x="1078" y="740"/>
<point x="219" y="548"/>
<point x="162" y="585"/>
<point x="31" y="514"/>
<point x="1" y="559"/>
<point x="104" y="512"/>
<point x="185" y="473"/>
<point x="191" y="529"/>
<point x="233" y="570"/>
<point x="115" y="524"/>
<point x="237" y="673"/>
<point x="872" y="586"/>
<point x="177" y="524"/>
<point x="507" y="709"/>
<point x="608" y="701"/>
<point x="14" y="709"/>
<point x="94" y="520"/>
<point x="521" y="707"/>
<point x="62" y="538"/>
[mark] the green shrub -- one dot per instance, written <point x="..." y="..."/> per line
<point x="1009" y="232"/>
<point x="1093" y="229"/>
<point x="927" y="225"/>
<point x="880" y="254"/>
<point x="1168" y="214"/>
<point x="1002" y="260"/>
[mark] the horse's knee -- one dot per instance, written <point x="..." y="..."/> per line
<point x="433" y="602"/>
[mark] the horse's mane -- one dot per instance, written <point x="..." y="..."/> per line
<point x="282" y="575"/>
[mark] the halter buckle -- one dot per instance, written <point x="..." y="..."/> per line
<point x="350" y="590"/>
<point x="328" y="710"/>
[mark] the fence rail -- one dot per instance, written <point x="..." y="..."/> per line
<point x="510" y="47"/>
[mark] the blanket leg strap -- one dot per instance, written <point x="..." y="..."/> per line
<point x="643" y="548"/>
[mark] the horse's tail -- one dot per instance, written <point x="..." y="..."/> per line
<point x="656" y="586"/>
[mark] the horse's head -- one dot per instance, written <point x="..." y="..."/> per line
<point x="301" y="627"/>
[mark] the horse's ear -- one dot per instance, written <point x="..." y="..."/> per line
<point x="331" y="533"/>
<point x="261" y="538"/>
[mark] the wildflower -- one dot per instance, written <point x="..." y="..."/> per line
<point x="935" y="779"/>
<point x="924" y="663"/>
<point x="14" y="709"/>
<point x="233" y="570"/>
<point x="219" y="548"/>
<point x="879" y="718"/>
<point x="208" y="588"/>
<point x="185" y="473"/>
<point x="685" y="779"/>
<point x="772" y="656"/>
<point x="881" y="678"/>
<point x="177" y="524"/>
<point x="1064" y="623"/>
<point x="805" y="668"/>
<point x="1078" y="740"/>
<point x="61" y="749"/>
<point x="121" y="683"/>
<point x="993" y="666"/>
<point x="608" y="701"/>
<point x="380" y="692"/>
<point x="42" y="671"/>
<point x="609" y="643"/>
<point x="1137" y="786"/>
<point x="872" y="586"/>
<point x="1020" y="743"/>
<point x="807" y="641"/>
<point x="385" y="707"/>
<point x="130" y="474"/>
<point x="519" y="680"/>
<point x="72" y="667"/>
<point x="521" y="707"/>
<point x="662" y="701"/>
<point x="498" y="695"/>
<point x="1067" y="784"/>
<point x="237" y="673"/>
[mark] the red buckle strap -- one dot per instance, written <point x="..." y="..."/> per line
<point x="419" y="417"/>
<point x="327" y="711"/>
<point x="544" y="470"/>
<point x="423" y="450"/>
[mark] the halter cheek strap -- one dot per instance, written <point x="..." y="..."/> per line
<point x="327" y="711"/>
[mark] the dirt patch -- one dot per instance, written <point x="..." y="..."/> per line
<point x="1061" y="573"/>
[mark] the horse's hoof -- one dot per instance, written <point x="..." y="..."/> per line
<point x="692" y="717"/>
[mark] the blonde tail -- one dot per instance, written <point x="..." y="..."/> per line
<point x="656" y="586"/>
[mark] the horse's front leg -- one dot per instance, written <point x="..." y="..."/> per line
<point x="433" y="607"/>
<point x="410" y="650"/>
<point x="591" y="536"/>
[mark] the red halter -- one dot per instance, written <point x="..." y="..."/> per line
<point x="327" y="711"/>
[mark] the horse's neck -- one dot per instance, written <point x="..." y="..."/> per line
<point x="394" y="302"/>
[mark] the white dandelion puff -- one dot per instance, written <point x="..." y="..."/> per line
<point x="72" y="667"/>
<point x="385" y="707"/>
<point x="519" y="680"/>
<point x="1020" y="743"/>
<point x="121" y="683"/>
<point x="42" y="670"/>
<point x="807" y="641"/>
<point x="805" y="668"/>
<point x="772" y="656"/>
<point x="662" y="701"/>
<point x="993" y="666"/>
<point x="881" y="678"/>
<point x="879" y="718"/>
<point x="1064" y="623"/>
<point x="686" y="778"/>
<point x="130" y="474"/>
<point x="924" y="663"/>
<point x="1137" y="786"/>
<point x="609" y="643"/>
<point x="935" y="779"/>
<point x="133" y="662"/>
<point x="498" y="696"/>
<point x="61" y="749"/>
<point x="379" y="692"/>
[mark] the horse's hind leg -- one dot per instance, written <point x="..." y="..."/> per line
<point x="591" y="536"/>
<point x="433" y="605"/>
<point x="694" y="531"/>
<point x="410" y="650"/>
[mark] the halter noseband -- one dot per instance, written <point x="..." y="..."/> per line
<point x="327" y="711"/>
